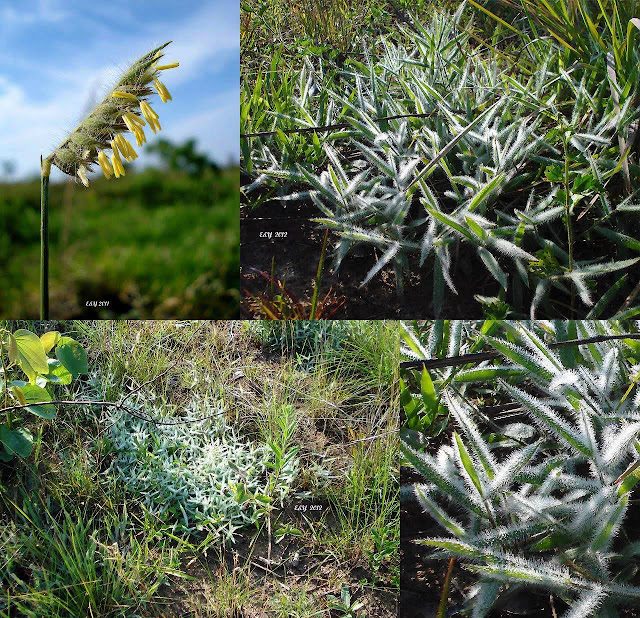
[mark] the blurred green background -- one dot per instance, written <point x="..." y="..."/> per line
<point x="162" y="242"/>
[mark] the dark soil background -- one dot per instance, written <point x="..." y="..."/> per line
<point x="296" y="263"/>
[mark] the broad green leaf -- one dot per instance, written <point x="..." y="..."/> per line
<point x="17" y="441"/>
<point x="30" y="354"/>
<point x="18" y="393"/>
<point x="478" y="230"/>
<point x="412" y="341"/>
<point x="35" y="394"/>
<point x="13" y="349"/>
<point x="482" y="195"/>
<point x="49" y="340"/>
<point x="552" y="541"/>
<point x="451" y="222"/>
<point x="72" y="355"/>
<point x="634" y="21"/>
<point x="439" y="514"/>
<point x="467" y="463"/>
<point x="409" y="403"/>
<point x="629" y="478"/>
<point x="606" y="534"/>
<point x="58" y="373"/>
<point x="284" y="530"/>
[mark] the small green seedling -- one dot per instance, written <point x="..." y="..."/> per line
<point x="344" y="605"/>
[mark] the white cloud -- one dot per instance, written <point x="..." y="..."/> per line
<point x="220" y="116"/>
<point x="201" y="40"/>
<point x="26" y="127"/>
<point x="47" y="11"/>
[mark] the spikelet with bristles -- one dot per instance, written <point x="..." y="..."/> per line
<point x="80" y="151"/>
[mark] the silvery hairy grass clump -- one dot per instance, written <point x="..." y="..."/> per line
<point x="501" y="161"/>
<point x="200" y="476"/>
<point x="542" y="503"/>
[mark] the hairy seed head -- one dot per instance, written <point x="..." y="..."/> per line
<point x="118" y="113"/>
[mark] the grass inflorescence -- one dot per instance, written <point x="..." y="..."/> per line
<point x="118" y="113"/>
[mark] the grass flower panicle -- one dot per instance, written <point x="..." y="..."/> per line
<point x="118" y="113"/>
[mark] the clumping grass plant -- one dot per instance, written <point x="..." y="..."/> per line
<point x="511" y="162"/>
<point x="124" y="109"/>
<point x="544" y="503"/>
<point x="199" y="477"/>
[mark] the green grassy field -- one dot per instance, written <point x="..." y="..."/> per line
<point x="159" y="244"/>
<point x="81" y="534"/>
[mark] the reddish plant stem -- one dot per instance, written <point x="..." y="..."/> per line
<point x="442" y="608"/>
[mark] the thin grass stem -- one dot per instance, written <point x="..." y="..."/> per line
<point x="44" y="238"/>
<point x="316" y="284"/>
<point x="567" y="211"/>
<point x="442" y="608"/>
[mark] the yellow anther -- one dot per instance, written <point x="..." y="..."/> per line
<point x="82" y="174"/>
<point x="104" y="164"/>
<point x="124" y="95"/>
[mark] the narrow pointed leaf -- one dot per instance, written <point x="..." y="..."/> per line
<point x="467" y="463"/>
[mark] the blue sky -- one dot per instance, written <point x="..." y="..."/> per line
<point x="57" y="57"/>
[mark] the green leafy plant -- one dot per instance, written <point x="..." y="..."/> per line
<point x="421" y="393"/>
<point x="344" y="605"/>
<point x="386" y="544"/>
<point x="199" y="476"/>
<point x="549" y="508"/>
<point x="602" y="35"/>
<point x="305" y="340"/>
<point x="24" y="351"/>
<point x="283" y="465"/>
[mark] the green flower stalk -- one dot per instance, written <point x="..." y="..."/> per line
<point x="124" y="109"/>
